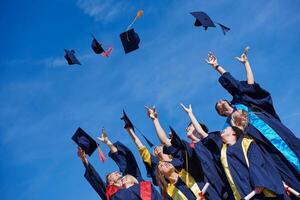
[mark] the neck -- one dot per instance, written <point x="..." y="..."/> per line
<point x="231" y="142"/>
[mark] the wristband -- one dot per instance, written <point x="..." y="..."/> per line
<point x="216" y="67"/>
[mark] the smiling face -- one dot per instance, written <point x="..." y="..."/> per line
<point x="165" y="168"/>
<point x="128" y="181"/>
<point x="223" y="107"/>
<point x="114" y="178"/>
<point x="191" y="131"/>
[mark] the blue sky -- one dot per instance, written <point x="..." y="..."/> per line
<point x="43" y="100"/>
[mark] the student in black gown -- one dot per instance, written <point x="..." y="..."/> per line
<point x="127" y="188"/>
<point x="197" y="164"/>
<point x="277" y="142"/>
<point x="242" y="161"/>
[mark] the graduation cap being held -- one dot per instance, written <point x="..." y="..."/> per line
<point x="202" y="19"/>
<point x="98" y="49"/>
<point x="130" y="39"/>
<point x="71" y="58"/>
<point x="128" y="124"/>
<point x="84" y="141"/>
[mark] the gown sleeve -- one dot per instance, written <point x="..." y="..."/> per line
<point x="252" y="95"/>
<point x="95" y="181"/>
<point x="150" y="163"/>
<point x="213" y="143"/>
<point x="125" y="160"/>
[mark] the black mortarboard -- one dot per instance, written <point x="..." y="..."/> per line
<point x="128" y="123"/>
<point x="130" y="40"/>
<point x="202" y="19"/>
<point x="96" y="46"/>
<point x="86" y="142"/>
<point x="71" y="58"/>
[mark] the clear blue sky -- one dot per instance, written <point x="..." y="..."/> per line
<point x="43" y="100"/>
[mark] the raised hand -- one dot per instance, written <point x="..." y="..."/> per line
<point x="187" y="110"/>
<point x="212" y="60"/>
<point x="243" y="58"/>
<point x="151" y="112"/>
<point x="103" y="138"/>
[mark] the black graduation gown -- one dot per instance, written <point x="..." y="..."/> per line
<point x="260" y="102"/>
<point x="95" y="181"/>
<point x="199" y="163"/>
<point x="260" y="173"/>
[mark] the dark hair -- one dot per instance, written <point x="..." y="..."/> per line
<point x="219" y="111"/>
<point x="203" y="126"/>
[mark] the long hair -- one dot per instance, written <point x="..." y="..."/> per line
<point x="162" y="182"/>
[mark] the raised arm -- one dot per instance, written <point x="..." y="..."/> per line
<point x="244" y="60"/>
<point x="92" y="176"/>
<point x="104" y="139"/>
<point x="152" y="114"/>
<point x="212" y="60"/>
<point x="135" y="138"/>
<point x="194" y="121"/>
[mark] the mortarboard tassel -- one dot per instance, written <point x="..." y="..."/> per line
<point x="108" y="52"/>
<point x="101" y="154"/>
<point x="147" y="140"/>
<point x="139" y="14"/>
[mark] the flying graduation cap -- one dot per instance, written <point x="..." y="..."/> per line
<point x="98" y="49"/>
<point x="202" y="19"/>
<point x="87" y="143"/>
<point x="130" y="39"/>
<point x="128" y="124"/>
<point x="71" y="58"/>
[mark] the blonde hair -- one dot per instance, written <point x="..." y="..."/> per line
<point x="240" y="120"/>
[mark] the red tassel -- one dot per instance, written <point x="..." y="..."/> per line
<point x="108" y="52"/>
<point x="101" y="154"/>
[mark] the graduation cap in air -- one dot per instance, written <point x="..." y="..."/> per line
<point x="128" y="124"/>
<point x="71" y="58"/>
<point x="130" y="40"/>
<point x="98" y="49"/>
<point x="84" y="141"/>
<point x="202" y="19"/>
